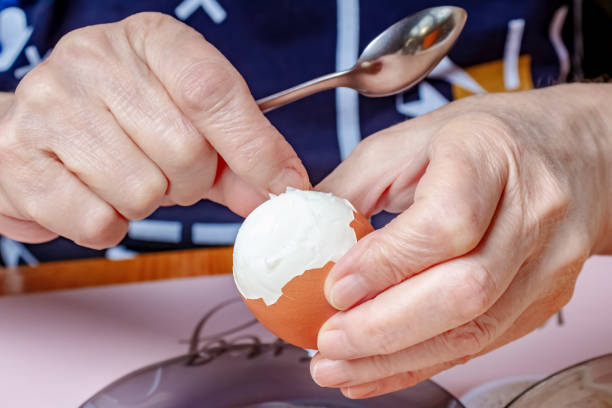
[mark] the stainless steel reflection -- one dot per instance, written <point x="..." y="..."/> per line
<point x="588" y="384"/>
<point x="396" y="60"/>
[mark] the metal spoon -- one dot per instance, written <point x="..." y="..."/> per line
<point x="396" y="60"/>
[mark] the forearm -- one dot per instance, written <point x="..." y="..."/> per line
<point x="594" y="103"/>
<point x="575" y="121"/>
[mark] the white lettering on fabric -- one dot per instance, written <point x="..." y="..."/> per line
<point x="14" y="35"/>
<point x="347" y="100"/>
<point x="429" y="99"/>
<point x="454" y="74"/>
<point x="512" y="51"/>
<point x="156" y="231"/>
<point x="212" y="7"/>
<point x="212" y="233"/>
<point x="33" y="57"/>
<point x="13" y="252"/>
<point x="556" y="38"/>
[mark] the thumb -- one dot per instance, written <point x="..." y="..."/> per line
<point x="454" y="203"/>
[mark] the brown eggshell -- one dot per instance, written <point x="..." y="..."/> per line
<point x="299" y="313"/>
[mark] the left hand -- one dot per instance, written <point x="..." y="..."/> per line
<point x="502" y="199"/>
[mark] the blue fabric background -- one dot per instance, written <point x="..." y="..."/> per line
<point x="278" y="43"/>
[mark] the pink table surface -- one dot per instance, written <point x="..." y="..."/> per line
<point x="59" y="348"/>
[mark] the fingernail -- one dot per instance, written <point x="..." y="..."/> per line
<point x="332" y="341"/>
<point x="360" y="391"/>
<point x="289" y="177"/>
<point x="330" y="373"/>
<point x="348" y="291"/>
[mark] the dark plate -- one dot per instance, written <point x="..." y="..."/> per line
<point x="247" y="375"/>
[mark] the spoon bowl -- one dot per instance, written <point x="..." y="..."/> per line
<point x="407" y="52"/>
<point x="396" y="60"/>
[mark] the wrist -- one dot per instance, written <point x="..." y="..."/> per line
<point x="605" y="240"/>
<point x="579" y="117"/>
<point x="591" y="105"/>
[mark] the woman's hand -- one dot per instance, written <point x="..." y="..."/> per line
<point x="123" y="118"/>
<point x="502" y="199"/>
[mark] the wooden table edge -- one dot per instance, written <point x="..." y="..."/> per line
<point x="101" y="272"/>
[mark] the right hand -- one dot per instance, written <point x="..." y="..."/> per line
<point x="125" y="117"/>
<point x="501" y="199"/>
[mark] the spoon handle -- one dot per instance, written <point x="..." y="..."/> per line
<point x="300" y="91"/>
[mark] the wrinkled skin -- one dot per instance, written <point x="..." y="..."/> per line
<point x="125" y="117"/>
<point x="502" y="198"/>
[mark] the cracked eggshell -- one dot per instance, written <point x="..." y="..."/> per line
<point x="282" y="255"/>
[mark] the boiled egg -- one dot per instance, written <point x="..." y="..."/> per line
<point x="282" y="255"/>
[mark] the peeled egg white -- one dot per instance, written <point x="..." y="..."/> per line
<point x="283" y="253"/>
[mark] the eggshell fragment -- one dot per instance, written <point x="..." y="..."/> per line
<point x="301" y="310"/>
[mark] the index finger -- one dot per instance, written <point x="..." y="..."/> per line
<point x="439" y="299"/>
<point x="418" y="309"/>
<point x="454" y="203"/>
<point x="216" y="99"/>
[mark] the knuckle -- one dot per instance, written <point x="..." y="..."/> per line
<point x="79" y="38"/>
<point x="17" y="143"/>
<point x="479" y="132"/>
<point x="145" y="197"/>
<point x="103" y="229"/>
<point x="379" y="335"/>
<point x="409" y="379"/>
<point x="385" y="253"/>
<point x="474" y="290"/>
<point x="457" y="226"/>
<point x="148" y="20"/>
<point x="188" y="196"/>
<point x="471" y="338"/>
<point x="207" y="86"/>
<point x="33" y="208"/>
<point x="37" y="190"/>
<point x="190" y="158"/>
<point x="368" y="149"/>
<point x="185" y="199"/>
<point x="556" y="198"/>
<point x="248" y="149"/>
<point x="186" y="149"/>
<point x="383" y="366"/>
<point x="37" y="88"/>
<point x="138" y="26"/>
<point x="380" y="144"/>
<point x="82" y="47"/>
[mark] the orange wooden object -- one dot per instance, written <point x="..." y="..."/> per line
<point x="98" y="272"/>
